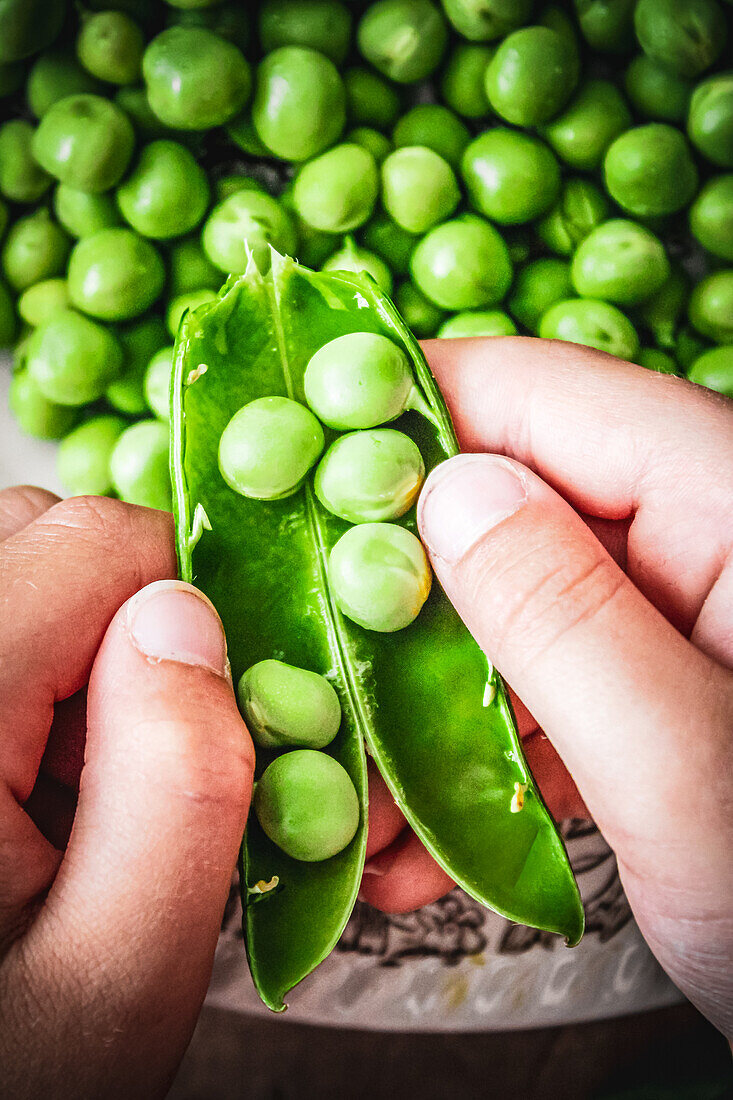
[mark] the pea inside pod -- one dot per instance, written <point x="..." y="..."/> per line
<point x="360" y="380"/>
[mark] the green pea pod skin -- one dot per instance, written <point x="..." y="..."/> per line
<point x="434" y="716"/>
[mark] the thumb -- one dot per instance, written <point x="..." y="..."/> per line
<point x="620" y="693"/>
<point x="136" y="908"/>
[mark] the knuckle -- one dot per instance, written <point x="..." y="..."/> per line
<point x="540" y="598"/>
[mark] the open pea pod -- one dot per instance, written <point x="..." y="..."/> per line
<point x="434" y="715"/>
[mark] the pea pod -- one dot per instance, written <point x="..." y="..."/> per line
<point x="434" y="716"/>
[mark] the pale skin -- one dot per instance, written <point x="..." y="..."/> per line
<point x="593" y="562"/>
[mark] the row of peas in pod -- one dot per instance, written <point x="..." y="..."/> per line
<point x="378" y="571"/>
<point x="560" y="170"/>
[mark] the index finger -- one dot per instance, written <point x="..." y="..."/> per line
<point x="604" y="433"/>
<point x="62" y="579"/>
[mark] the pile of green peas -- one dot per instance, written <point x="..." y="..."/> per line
<point x="564" y="170"/>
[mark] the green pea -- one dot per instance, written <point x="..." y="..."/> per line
<point x="711" y="216"/>
<point x="189" y="268"/>
<point x="714" y="369"/>
<point x="582" y="133"/>
<point x="655" y="92"/>
<point x="300" y="104"/>
<point x="370" y="100"/>
<point x="194" y="79"/>
<point x="607" y="25"/>
<point x="21" y="178"/>
<point x="236" y="181"/>
<point x="531" y="76"/>
<point x="268" y="447"/>
<point x="242" y="132"/>
<point x="419" y="188"/>
<point x="380" y="576"/>
<point x="711" y="306"/>
<point x="593" y="323"/>
<point x="315" y="246"/>
<point x="462" y="264"/>
<point x="179" y="305"/>
<point x="115" y="275"/>
<point x="157" y="382"/>
<point x="53" y="76"/>
<point x="479" y="323"/>
<point x="307" y="805"/>
<point x="662" y="312"/>
<point x="684" y="36"/>
<point x="370" y="475"/>
<point x="82" y="213"/>
<point x="404" y="39"/>
<point x="82" y="460"/>
<point x="27" y="26"/>
<point x="133" y="100"/>
<point x="85" y="141"/>
<point x="485" y="20"/>
<point x="7" y="316"/>
<point x="336" y="191"/>
<point x="167" y="192"/>
<point x="649" y="170"/>
<point x="435" y="127"/>
<point x="359" y="380"/>
<point x="35" y="249"/>
<point x="110" y="46"/>
<point x="323" y="25"/>
<point x="689" y="346"/>
<point x="390" y="241"/>
<point x="375" y="143"/>
<point x="36" y="415"/>
<point x="246" y="220"/>
<point x="227" y="20"/>
<point x="139" y="465"/>
<point x="420" y="314"/>
<point x="71" y="359"/>
<point x="286" y="706"/>
<point x="139" y="340"/>
<point x="620" y="261"/>
<point x="538" y="286"/>
<point x="510" y="177"/>
<point x="656" y="360"/>
<point x="42" y="300"/>
<point x="353" y="258"/>
<point x="710" y="122"/>
<point x="581" y="208"/>
<point x="557" y="19"/>
<point x="463" y="86"/>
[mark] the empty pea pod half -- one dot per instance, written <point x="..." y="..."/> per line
<point x="320" y="576"/>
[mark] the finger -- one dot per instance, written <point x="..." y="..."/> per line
<point x="66" y="574"/>
<point x="619" y="692"/>
<point x="22" y="504"/>
<point x="403" y="877"/>
<point x="385" y="817"/>
<point x="122" y="950"/>
<point x="713" y="630"/>
<point x="559" y="791"/>
<point x="616" y="440"/>
<point x="63" y="757"/>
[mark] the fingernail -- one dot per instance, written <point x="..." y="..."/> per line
<point x="173" y="621"/>
<point x="463" y="499"/>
